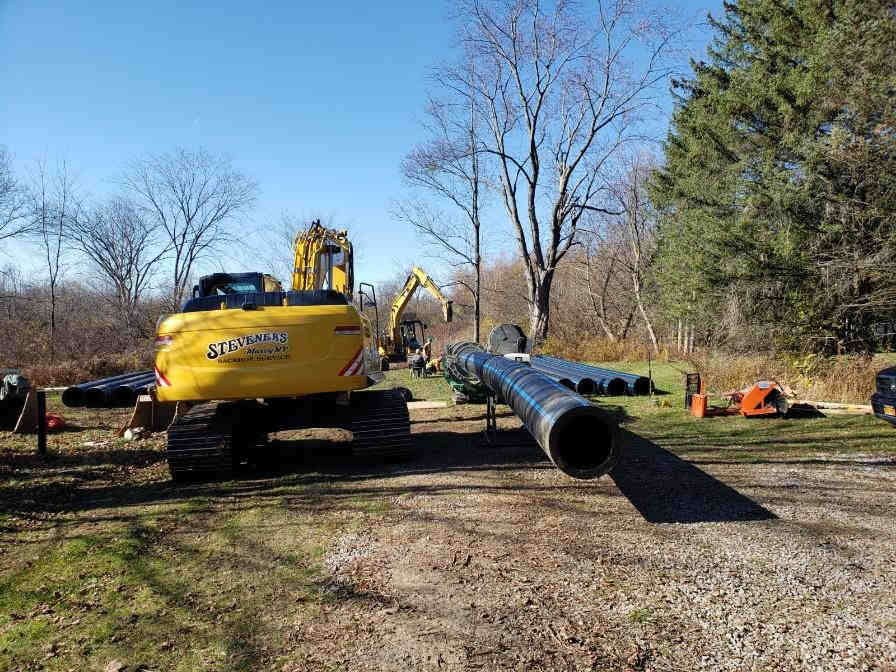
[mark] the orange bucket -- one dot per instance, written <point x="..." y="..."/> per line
<point x="698" y="405"/>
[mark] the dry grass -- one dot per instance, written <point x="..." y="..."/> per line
<point x="73" y="371"/>
<point x="844" y="379"/>
<point x="599" y="350"/>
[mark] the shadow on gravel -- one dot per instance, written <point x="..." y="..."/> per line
<point x="666" y="489"/>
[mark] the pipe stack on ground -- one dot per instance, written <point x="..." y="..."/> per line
<point x="102" y="393"/>
<point x="607" y="381"/>
<point x="579" y="438"/>
<point x="126" y="393"/>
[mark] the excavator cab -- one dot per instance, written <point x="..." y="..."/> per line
<point x="410" y="340"/>
<point x="221" y="284"/>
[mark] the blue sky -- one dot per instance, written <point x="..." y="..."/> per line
<point x="318" y="102"/>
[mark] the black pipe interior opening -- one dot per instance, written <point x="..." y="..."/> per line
<point x="586" y="386"/>
<point x="642" y="386"/>
<point x="567" y="383"/>
<point x="72" y="396"/>
<point x="94" y="397"/>
<point x="582" y="444"/>
<point x="122" y="395"/>
<point x="615" y="387"/>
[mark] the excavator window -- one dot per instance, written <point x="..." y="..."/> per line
<point x="321" y="297"/>
<point x="222" y="284"/>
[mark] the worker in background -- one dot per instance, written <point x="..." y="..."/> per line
<point x="433" y="366"/>
<point x="418" y="362"/>
<point x="427" y="349"/>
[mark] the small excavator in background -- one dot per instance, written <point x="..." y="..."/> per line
<point x="244" y="358"/>
<point x="401" y="335"/>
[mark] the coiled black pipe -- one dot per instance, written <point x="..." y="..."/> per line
<point x="77" y="395"/>
<point x="579" y="438"/>
<point x="633" y="383"/>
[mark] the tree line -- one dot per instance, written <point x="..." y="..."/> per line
<point x="764" y="220"/>
<point x="171" y="211"/>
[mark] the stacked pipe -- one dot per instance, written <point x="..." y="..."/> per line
<point x="120" y="390"/>
<point x="578" y="437"/>
<point x="604" y="381"/>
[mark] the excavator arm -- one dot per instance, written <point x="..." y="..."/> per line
<point x="323" y="260"/>
<point x="417" y="278"/>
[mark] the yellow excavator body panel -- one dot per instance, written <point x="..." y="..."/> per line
<point x="271" y="351"/>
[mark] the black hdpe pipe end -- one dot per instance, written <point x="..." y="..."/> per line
<point x="583" y="443"/>
<point x="122" y="396"/>
<point x="73" y="397"/>
<point x="615" y="387"/>
<point x="566" y="382"/>
<point x="642" y="386"/>
<point x="95" y="397"/>
<point x="586" y="386"/>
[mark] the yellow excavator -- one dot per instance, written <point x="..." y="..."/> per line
<point x="246" y="358"/>
<point x="403" y="336"/>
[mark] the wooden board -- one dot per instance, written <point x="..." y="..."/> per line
<point x="154" y="416"/>
<point x="27" y="422"/>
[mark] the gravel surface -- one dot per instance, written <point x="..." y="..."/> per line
<point x="501" y="562"/>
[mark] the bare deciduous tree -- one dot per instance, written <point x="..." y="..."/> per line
<point x="640" y="231"/>
<point x="14" y="218"/>
<point x="53" y="206"/>
<point x="560" y="89"/>
<point x="449" y="165"/>
<point x="192" y="196"/>
<point x="123" y="244"/>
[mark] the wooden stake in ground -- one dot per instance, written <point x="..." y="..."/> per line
<point x="41" y="422"/>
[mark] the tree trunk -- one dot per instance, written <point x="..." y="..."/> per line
<point x="476" y="295"/>
<point x="540" y="311"/>
<point x="52" y="323"/>
<point x="628" y="325"/>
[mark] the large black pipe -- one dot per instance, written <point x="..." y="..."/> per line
<point x="127" y="392"/>
<point x="634" y="384"/>
<point x="74" y="394"/>
<point x="99" y="396"/>
<point x="97" y="392"/>
<point x="604" y="383"/>
<point x="578" y="437"/>
<point x="574" y="380"/>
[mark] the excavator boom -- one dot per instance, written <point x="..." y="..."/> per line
<point x="417" y="278"/>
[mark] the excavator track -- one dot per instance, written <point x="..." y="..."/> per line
<point x="380" y="425"/>
<point x="200" y="443"/>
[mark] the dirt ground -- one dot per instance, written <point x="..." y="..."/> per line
<point x="473" y="556"/>
<point x="491" y="559"/>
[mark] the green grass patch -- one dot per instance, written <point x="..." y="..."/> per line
<point x="191" y="579"/>
<point x="664" y="420"/>
<point x="429" y="388"/>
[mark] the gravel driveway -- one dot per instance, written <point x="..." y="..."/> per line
<point x="491" y="559"/>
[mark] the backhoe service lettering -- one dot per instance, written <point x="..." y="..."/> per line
<point x="275" y="346"/>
